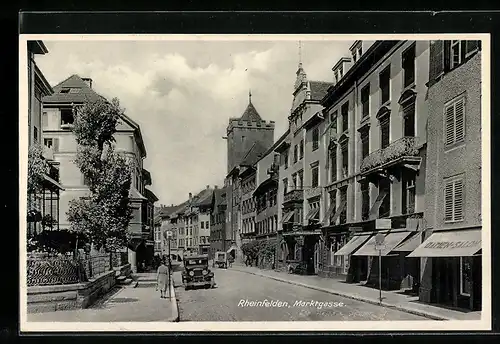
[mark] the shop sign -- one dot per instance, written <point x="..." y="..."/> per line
<point x="452" y="244"/>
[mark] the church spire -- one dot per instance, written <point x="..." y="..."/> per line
<point x="301" y="74"/>
<point x="300" y="54"/>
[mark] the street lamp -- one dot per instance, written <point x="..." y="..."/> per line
<point x="168" y="236"/>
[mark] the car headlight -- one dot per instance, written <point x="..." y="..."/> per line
<point x="204" y="272"/>
<point x="191" y="273"/>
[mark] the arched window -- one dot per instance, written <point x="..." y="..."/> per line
<point x="407" y="103"/>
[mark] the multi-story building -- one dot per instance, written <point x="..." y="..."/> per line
<point x="200" y="215"/>
<point x="170" y="222"/>
<point x="248" y="137"/>
<point x="57" y="128"/>
<point x="265" y="197"/>
<point x="218" y="242"/>
<point x="376" y="146"/>
<point x="302" y="166"/>
<point x="451" y="253"/>
<point x="43" y="206"/>
<point x="248" y="206"/>
<point x="158" y="234"/>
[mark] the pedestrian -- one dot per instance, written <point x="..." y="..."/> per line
<point x="162" y="279"/>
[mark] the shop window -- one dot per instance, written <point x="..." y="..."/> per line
<point x="344" y="111"/>
<point x="385" y="80"/>
<point x="408" y="63"/>
<point x="453" y="199"/>
<point x="454" y="121"/>
<point x="465" y="275"/>
<point x="365" y="101"/>
<point x="315" y="139"/>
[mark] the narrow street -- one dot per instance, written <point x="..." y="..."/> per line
<point x="225" y="302"/>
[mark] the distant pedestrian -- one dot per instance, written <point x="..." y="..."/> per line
<point x="162" y="279"/>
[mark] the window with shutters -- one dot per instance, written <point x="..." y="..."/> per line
<point x="365" y="101"/>
<point x="315" y="139"/>
<point x="454" y="113"/>
<point x="454" y="200"/>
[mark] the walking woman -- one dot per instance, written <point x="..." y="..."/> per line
<point x="162" y="279"/>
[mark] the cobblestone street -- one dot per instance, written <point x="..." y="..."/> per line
<point x="234" y="288"/>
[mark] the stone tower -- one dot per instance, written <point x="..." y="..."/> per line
<point x="243" y="132"/>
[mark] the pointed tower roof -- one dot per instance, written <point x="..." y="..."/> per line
<point x="251" y="113"/>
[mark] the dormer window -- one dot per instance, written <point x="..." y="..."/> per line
<point x="356" y="51"/>
<point x="64" y="90"/>
<point x="339" y="73"/>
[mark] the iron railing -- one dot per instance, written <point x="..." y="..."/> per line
<point x="405" y="146"/>
<point x="294" y="195"/>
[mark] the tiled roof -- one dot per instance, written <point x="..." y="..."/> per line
<point x="79" y="92"/>
<point x="135" y="194"/>
<point x="319" y="89"/>
<point x="203" y="198"/>
<point x="254" y="154"/>
<point x="250" y="114"/>
<point x="219" y="200"/>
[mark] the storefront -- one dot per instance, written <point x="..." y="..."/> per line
<point x="451" y="268"/>
<point x="396" y="273"/>
<point x="335" y="266"/>
<point x="355" y="268"/>
<point x="303" y="247"/>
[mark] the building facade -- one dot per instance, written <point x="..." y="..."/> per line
<point x="248" y="137"/>
<point x="376" y="149"/>
<point x="451" y="253"/>
<point x="57" y="123"/>
<point x="248" y="205"/>
<point x="43" y="206"/>
<point x="302" y="172"/>
<point x="218" y="241"/>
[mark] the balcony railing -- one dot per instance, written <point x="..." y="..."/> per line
<point x="404" y="147"/>
<point x="295" y="195"/>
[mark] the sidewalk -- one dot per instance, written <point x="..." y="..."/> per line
<point x="390" y="299"/>
<point x="126" y="304"/>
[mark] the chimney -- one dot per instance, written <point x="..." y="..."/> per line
<point x="88" y="81"/>
<point x="208" y="187"/>
<point x="190" y="197"/>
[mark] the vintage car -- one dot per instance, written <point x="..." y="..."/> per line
<point x="220" y="260"/>
<point x="196" y="272"/>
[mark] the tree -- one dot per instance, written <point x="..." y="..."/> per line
<point x="103" y="216"/>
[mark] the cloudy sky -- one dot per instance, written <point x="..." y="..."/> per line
<point x="182" y="94"/>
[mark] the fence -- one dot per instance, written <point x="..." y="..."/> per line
<point x="66" y="269"/>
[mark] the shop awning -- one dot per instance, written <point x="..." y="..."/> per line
<point x="410" y="244"/>
<point x="288" y="217"/>
<point x="457" y="243"/>
<point x="352" y="245"/>
<point x="298" y="233"/>
<point x="391" y="240"/>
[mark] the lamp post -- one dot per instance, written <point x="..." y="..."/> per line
<point x="379" y="244"/>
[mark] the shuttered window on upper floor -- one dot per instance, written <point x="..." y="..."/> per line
<point x="454" y="200"/>
<point x="454" y="113"/>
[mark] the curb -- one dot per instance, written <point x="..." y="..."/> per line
<point x="175" y="306"/>
<point x="353" y="297"/>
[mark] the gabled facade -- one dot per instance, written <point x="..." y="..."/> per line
<point x="57" y="123"/>
<point x="301" y="175"/>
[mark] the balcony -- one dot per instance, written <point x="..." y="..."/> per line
<point x="402" y="151"/>
<point x="295" y="195"/>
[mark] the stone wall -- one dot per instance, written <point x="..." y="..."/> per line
<point x="69" y="296"/>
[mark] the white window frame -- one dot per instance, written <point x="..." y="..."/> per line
<point x="453" y="103"/>
<point x="455" y="43"/>
<point x="461" y="278"/>
<point x="453" y="181"/>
